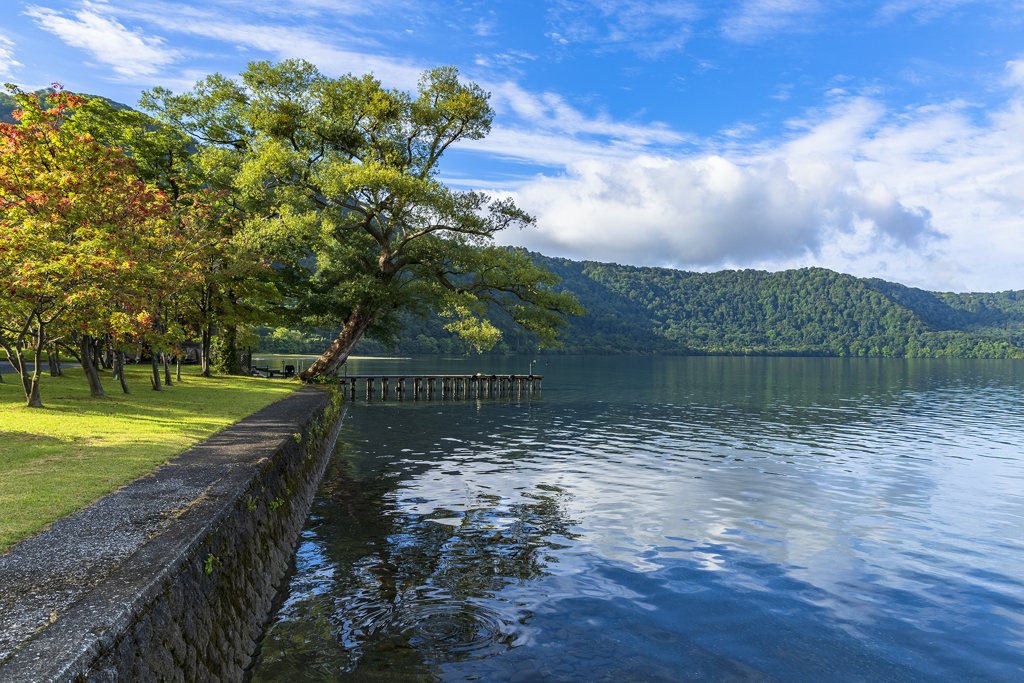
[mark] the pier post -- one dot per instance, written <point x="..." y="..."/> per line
<point x="401" y="388"/>
<point x="384" y="388"/>
<point x="369" y="388"/>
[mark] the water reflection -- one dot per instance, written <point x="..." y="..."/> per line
<point x="673" y="519"/>
<point x="407" y="585"/>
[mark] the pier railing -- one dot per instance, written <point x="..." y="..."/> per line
<point x="430" y="387"/>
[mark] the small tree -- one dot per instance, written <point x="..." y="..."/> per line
<point x="348" y="170"/>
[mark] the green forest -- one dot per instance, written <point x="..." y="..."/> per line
<point x="805" y="312"/>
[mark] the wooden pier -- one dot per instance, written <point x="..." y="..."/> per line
<point x="431" y="387"/>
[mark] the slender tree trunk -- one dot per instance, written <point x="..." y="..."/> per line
<point x="232" y="365"/>
<point x="155" y="379"/>
<point x="34" y="401"/>
<point x="108" y="352"/>
<point x="167" y="369"/>
<point x="91" y="374"/>
<point x="177" y="367"/>
<point x="326" y="365"/>
<point x="206" y="337"/>
<point x="97" y="354"/>
<point x="17" y="359"/>
<point x="52" y="361"/>
<point x="120" y="372"/>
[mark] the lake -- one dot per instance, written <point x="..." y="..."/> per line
<point x="670" y="519"/>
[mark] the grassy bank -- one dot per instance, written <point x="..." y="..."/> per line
<point x="77" y="449"/>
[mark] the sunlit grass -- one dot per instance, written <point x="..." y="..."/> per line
<point x="61" y="458"/>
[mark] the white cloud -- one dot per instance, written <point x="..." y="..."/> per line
<point x="757" y="19"/>
<point x="128" y="52"/>
<point x="1015" y="73"/>
<point x="549" y="111"/>
<point x="926" y="197"/>
<point x="922" y="11"/>
<point x="7" y="62"/>
<point x="285" y="42"/>
<point x="647" y="27"/>
<point x="486" y="26"/>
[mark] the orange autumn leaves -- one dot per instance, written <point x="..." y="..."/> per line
<point x="85" y="245"/>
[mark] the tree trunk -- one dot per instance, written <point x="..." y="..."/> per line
<point x="52" y="362"/>
<point x="326" y="365"/>
<point x="108" y="353"/>
<point x="232" y="365"/>
<point x="32" y="391"/>
<point x="14" y="355"/>
<point x="167" y="369"/>
<point x="155" y="379"/>
<point x="119" y="360"/>
<point x="206" y="336"/>
<point x="177" y="367"/>
<point x="97" y="355"/>
<point x="91" y="374"/>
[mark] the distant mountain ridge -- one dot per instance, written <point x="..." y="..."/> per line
<point x="804" y="312"/>
<point x="8" y="104"/>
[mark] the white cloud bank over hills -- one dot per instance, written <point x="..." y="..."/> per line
<point x="928" y="197"/>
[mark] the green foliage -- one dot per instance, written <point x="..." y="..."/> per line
<point x="285" y="340"/>
<point x="350" y="169"/>
<point x="808" y="312"/>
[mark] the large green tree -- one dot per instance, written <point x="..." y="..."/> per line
<point x="347" y="169"/>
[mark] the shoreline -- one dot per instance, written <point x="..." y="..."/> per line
<point x="215" y="526"/>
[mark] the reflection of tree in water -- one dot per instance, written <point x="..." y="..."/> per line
<point x="407" y="591"/>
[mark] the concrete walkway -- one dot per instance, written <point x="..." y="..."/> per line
<point x="43" y="576"/>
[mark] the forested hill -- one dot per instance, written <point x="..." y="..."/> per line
<point x="8" y="104"/>
<point x="811" y="311"/>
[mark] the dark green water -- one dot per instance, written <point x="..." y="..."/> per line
<point x="671" y="519"/>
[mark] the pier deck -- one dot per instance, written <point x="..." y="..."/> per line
<point x="429" y="387"/>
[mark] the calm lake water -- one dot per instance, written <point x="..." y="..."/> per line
<point x="670" y="519"/>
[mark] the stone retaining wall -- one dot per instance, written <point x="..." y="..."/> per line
<point x="191" y="602"/>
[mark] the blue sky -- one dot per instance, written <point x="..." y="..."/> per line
<point x="880" y="138"/>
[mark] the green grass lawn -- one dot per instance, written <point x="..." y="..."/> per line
<point x="61" y="458"/>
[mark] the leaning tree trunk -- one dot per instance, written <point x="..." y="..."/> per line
<point x="33" y="399"/>
<point x="155" y="379"/>
<point x="119" y="361"/>
<point x="326" y="365"/>
<point x="85" y="351"/>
